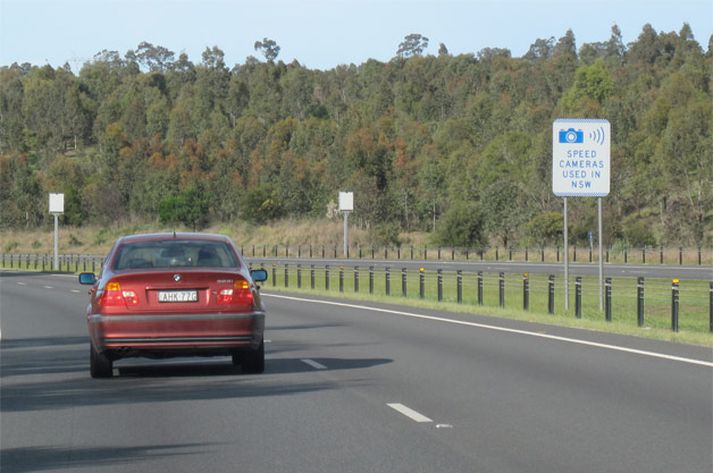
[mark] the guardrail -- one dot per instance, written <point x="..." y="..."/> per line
<point x="650" y="302"/>
<point x="44" y="262"/>
<point x="646" y="255"/>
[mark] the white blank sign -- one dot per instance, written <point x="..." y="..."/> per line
<point x="56" y="203"/>
<point x="346" y="201"/>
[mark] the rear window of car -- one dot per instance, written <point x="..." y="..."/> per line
<point x="175" y="253"/>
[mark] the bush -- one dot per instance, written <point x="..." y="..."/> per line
<point x="546" y="228"/>
<point x="461" y="226"/>
<point x="385" y="234"/>
<point x="638" y="234"/>
<point x="190" y="208"/>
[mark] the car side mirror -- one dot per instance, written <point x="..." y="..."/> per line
<point x="258" y="275"/>
<point x="88" y="279"/>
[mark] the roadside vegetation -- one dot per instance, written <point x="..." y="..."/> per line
<point x="455" y="147"/>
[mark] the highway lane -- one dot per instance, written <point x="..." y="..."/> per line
<point x="704" y="273"/>
<point x="340" y="393"/>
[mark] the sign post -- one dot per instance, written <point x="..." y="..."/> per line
<point x="56" y="209"/>
<point x="346" y="205"/>
<point x="581" y="159"/>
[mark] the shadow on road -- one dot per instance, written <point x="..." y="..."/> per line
<point x="22" y="460"/>
<point x="53" y="373"/>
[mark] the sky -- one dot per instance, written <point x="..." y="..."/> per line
<point x="322" y="33"/>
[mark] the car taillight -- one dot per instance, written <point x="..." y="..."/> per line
<point x="114" y="296"/>
<point x="239" y="294"/>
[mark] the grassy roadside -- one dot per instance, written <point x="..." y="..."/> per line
<point x="694" y="322"/>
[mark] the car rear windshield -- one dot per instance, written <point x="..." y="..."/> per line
<point x="175" y="253"/>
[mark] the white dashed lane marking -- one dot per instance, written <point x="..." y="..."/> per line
<point x="48" y="287"/>
<point x="21" y="284"/>
<point x="313" y="364"/>
<point x="408" y="412"/>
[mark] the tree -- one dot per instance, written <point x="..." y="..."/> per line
<point x="154" y="58"/>
<point x="268" y="48"/>
<point x="442" y="50"/>
<point x="413" y="45"/>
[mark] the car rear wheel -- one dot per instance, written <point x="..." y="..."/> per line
<point x="254" y="361"/>
<point x="99" y="365"/>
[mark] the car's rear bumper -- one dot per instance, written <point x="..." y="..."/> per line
<point x="132" y="333"/>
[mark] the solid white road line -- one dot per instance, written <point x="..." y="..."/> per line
<point x="21" y="284"/>
<point x="313" y="364"/>
<point x="76" y="291"/>
<point x="408" y="412"/>
<point x="503" y="329"/>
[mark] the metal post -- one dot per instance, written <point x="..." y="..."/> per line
<point x="640" y="301"/>
<point x="680" y="255"/>
<point x="551" y="294"/>
<point x="287" y="276"/>
<point x="459" y="286"/>
<point x="404" y="285"/>
<point x="422" y="283"/>
<point x="439" y="279"/>
<point x="55" y="266"/>
<point x="607" y="299"/>
<point x="661" y="255"/>
<point x="710" y="306"/>
<point x="566" y="259"/>
<point x="525" y="291"/>
<point x="371" y="280"/>
<point x="599" y="243"/>
<point x="346" y="233"/>
<point x="311" y="276"/>
<point x="326" y="277"/>
<point x="578" y="297"/>
<point x="356" y="278"/>
<point x="274" y="276"/>
<point x="387" y="282"/>
<point x="480" y="288"/>
<point x="439" y="254"/>
<point x="299" y="276"/>
<point x="501" y="289"/>
<point x="674" y="304"/>
<point x="341" y="279"/>
<point x="643" y="255"/>
<point x="497" y="254"/>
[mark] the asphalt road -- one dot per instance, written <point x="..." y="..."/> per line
<point x="349" y="389"/>
<point x="704" y="273"/>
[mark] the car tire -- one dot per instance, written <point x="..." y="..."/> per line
<point x="253" y="362"/>
<point x="99" y="365"/>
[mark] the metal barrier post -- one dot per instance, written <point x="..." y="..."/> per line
<point x="274" y="276"/>
<point x="326" y="277"/>
<point x="387" y="281"/>
<point x="421" y="283"/>
<point x="356" y="278"/>
<point x="501" y="289"/>
<point x="311" y="276"/>
<point x="551" y="294"/>
<point x="640" y="301"/>
<point x="341" y="279"/>
<point x="287" y="276"/>
<point x="480" y="288"/>
<point x="440" y="284"/>
<point x="578" y="297"/>
<point x="299" y="276"/>
<point x="459" y="286"/>
<point x="607" y="299"/>
<point x="371" y="280"/>
<point x="404" y="286"/>
<point x="674" y="303"/>
<point x="525" y="291"/>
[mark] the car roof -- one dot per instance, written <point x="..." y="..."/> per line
<point x="197" y="236"/>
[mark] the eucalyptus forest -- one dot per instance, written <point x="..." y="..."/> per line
<point x="456" y="145"/>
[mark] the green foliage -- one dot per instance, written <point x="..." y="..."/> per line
<point x="189" y="208"/>
<point x="546" y="228"/>
<point x="384" y="234"/>
<point x="461" y="226"/>
<point x="148" y="134"/>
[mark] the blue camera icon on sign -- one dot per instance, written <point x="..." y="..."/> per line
<point x="571" y="136"/>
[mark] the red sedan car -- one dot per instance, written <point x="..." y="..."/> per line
<point x="166" y="295"/>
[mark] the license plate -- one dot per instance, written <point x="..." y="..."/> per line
<point x="178" y="296"/>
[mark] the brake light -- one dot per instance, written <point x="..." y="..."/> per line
<point x="239" y="294"/>
<point x="114" y="296"/>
